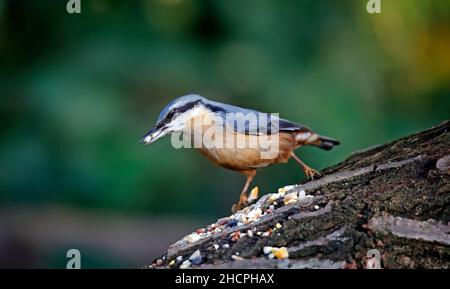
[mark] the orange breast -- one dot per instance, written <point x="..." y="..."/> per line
<point x="242" y="152"/>
<point x="250" y="157"/>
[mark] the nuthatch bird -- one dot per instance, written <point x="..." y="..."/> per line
<point x="181" y="114"/>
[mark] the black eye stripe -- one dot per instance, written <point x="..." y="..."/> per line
<point x="187" y="106"/>
<point x="170" y="114"/>
<point x="180" y="109"/>
<point x="215" y="108"/>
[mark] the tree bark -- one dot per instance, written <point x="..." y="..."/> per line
<point x="393" y="198"/>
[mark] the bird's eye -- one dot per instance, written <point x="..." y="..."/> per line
<point x="170" y="115"/>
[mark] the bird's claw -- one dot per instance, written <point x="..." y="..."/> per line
<point x="239" y="206"/>
<point x="311" y="173"/>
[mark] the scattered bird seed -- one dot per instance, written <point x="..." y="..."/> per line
<point x="281" y="253"/>
<point x="186" y="264"/>
<point x="273" y="197"/>
<point x="273" y="252"/>
<point x="232" y="223"/>
<point x="290" y="198"/>
<point x="301" y="194"/>
<point x="196" y="258"/>
<point x="171" y="262"/>
<point x="267" y="250"/>
<point x="235" y="236"/>
<point x="200" y="231"/>
<point x="194" y="237"/>
<point x="250" y="214"/>
<point x="179" y="258"/>
<point x="254" y="214"/>
<point x="253" y="196"/>
<point x="285" y="189"/>
<point x="236" y="258"/>
<point x="223" y="221"/>
<point x="316" y="207"/>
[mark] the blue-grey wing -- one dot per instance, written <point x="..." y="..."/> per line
<point x="252" y="122"/>
<point x="286" y="125"/>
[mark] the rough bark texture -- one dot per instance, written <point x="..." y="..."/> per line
<point x="393" y="198"/>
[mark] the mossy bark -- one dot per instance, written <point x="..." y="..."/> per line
<point x="393" y="198"/>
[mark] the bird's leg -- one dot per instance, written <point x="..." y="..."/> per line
<point x="309" y="172"/>
<point x="243" y="197"/>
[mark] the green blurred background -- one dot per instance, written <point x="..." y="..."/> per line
<point x="78" y="91"/>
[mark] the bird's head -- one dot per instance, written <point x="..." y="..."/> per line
<point x="175" y="117"/>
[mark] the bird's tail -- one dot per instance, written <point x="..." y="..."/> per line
<point x="325" y="143"/>
<point x="311" y="138"/>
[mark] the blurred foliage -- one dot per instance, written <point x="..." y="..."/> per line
<point x="78" y="91"/>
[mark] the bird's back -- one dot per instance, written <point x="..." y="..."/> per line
<point x="265" y="123"/>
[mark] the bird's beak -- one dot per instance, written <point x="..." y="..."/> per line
<point x="154" y="134"/>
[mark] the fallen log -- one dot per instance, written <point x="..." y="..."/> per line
<point x="392" y="199"/>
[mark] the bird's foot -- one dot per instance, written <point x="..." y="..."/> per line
<point x="237" y="207"/>
<point x="240" y="205"/>
<point x="311" y="173"/>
